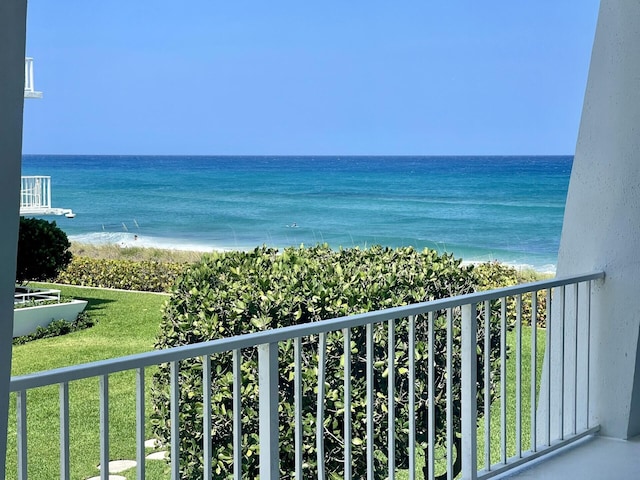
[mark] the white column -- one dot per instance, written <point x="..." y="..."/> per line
<point x="31" y="84"/>
<point x="601" y="227"/>
<point x="26" y="74"/>
<point x="12" y="38"/>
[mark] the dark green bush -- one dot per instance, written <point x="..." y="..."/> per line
<point x="57" y="328"/>
<point x="235" y="293"/>
<point x="43" y="250"/>
<point x="148" y="276"/>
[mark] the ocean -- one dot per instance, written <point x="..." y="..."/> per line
<point x="482" y="208"/>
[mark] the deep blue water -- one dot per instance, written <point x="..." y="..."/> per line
<point x="479" y="208"/>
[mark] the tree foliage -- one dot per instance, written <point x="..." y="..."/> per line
<point x="43" y="250"/>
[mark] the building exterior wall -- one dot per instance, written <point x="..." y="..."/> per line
<point x="601" y="229"/>
<point x="12" y="40"/>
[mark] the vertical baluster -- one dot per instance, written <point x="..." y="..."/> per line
<point x="450" y="432"/>
<point x="322" y="360"/>
<point x="562" y="360"/>
<point x="27" y="79"/>
<point x="237" y="414"/>
<point x="391" y="414"/>
<point x="412" y="397"/>
<point x="370" y="360"/>
<point x="575" y="356"/>
<point x="206" y="416"/>
<point x="469" y="392"/>
<point x="534" y="367"/>
<point x="174" y="415"/>
<point x="140" y="436"/>
<point x="503" y="380"/>
<point x="48" y="187"/>
<point x="104" y="427"/>
<point x="64" y="431"/>
<point x="431" y="397"/>
<point x="487" y="385"/>
<point x="21" y="411"/>
<point x="575" y="363"/>
<point x="347" y="403"/>
<point x="588" y="362"/>
<point x="297" y="387"/>
<point x="268" y="411"/>
<point x="519" y="376"/>
<point x="547" y="372"/>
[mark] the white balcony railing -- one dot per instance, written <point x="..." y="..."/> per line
<point x="35" y="197"/>
<point x="35" y="192"/>
<point x="27" y="295"/>
<point x="29" y="88"/>
<point x="467" y="314"/>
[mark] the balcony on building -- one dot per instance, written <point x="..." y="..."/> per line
<point x="29" y="86"/>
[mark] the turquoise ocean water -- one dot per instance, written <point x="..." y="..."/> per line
<point x="479" y="208"/>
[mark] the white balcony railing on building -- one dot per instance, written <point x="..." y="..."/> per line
<point x="35" y="197"/>
<point x="565" y="404"/>
<point x="26" y="295"/>
<point x="35" y="192"/>
<point x="29" y="88"/>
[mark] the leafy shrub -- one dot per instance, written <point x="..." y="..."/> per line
<point x="57" y="328"/>
<point x="148" y="276"/>
<point x="492" y="275"/>
<point x="43" y="250"/>
<point x="235" y="293"/>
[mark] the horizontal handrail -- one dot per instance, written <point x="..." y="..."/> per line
<point x="39" y="294"/>
<point x="142" y="360"/>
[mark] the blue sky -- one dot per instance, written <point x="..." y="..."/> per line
<point x="460" y="77"/>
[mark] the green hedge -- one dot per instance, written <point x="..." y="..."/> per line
<point x="493" y="275"/>
<point x="148" y="276"/>
<point x="235" y="293"/>
<point x="57" y="328"/>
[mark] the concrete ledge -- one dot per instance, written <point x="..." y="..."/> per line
<point x="592" y="458"/>
<point x="27" y="320"/>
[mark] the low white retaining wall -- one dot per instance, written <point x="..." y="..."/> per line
<point x="27" y="320"/>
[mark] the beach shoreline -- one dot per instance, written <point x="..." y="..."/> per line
<point x="135" y="252"/>
<point x="141" y="248"/>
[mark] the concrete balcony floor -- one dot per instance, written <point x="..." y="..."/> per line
<point x="592" y="458"/>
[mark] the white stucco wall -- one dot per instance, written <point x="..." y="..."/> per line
<point x="27" y="320"/>
<point x="602" y="219"/>
<point x="12" y="49"/>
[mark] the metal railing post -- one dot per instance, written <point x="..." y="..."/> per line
<point x="140" y="424"/>
<point x="469" y="393"/>
<point x="21" y="409"/>
<point x="322" y="360"/>
<point x="64" y="432"/>
<point x="268" y="410"/>
<point x="104" y="427"/>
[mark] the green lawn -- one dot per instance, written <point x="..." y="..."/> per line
<point x="495" y="441"/>
<point x="127" y="323"/>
